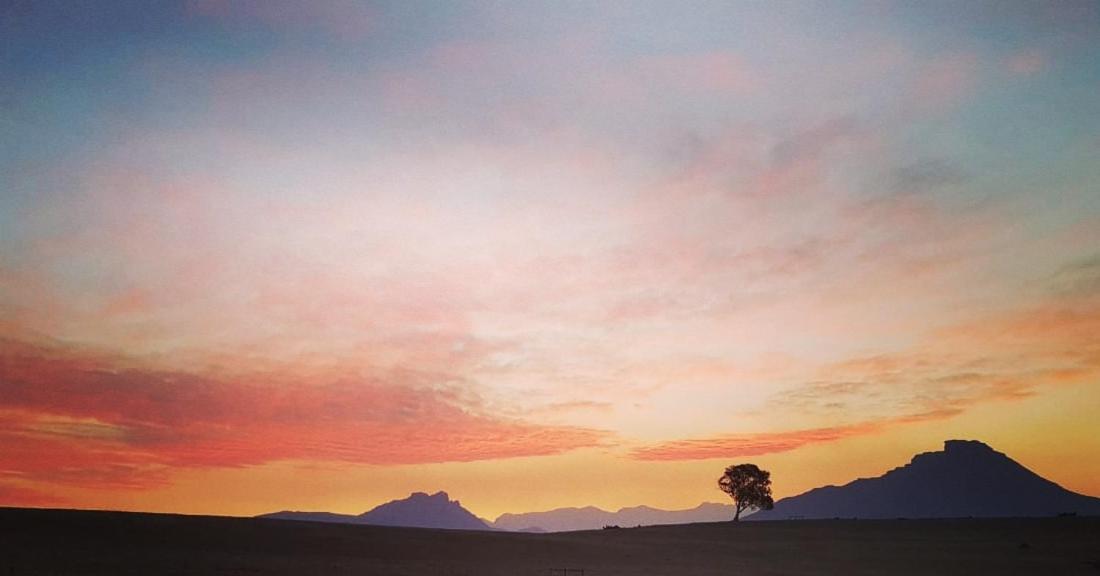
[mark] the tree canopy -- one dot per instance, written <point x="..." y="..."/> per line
<point x="749" y="486"/>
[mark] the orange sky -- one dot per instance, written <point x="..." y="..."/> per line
<point x="270" y="255"/>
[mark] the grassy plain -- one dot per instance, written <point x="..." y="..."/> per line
<point x="100" y="543"/>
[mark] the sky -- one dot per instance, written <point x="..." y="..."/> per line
<point x="268" y="255"/>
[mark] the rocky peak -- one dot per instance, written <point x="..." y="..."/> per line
<point x="967" y="447"/>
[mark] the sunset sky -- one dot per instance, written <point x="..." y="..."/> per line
<point x="269" y="255"/>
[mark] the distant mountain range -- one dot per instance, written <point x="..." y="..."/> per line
<point x="591" y="518"/>
<point x="966" y="479"/>
<point x="419" y="510"/>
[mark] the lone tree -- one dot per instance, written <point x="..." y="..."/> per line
<point x="749" y="486"/>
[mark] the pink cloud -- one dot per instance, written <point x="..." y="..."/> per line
<point x="88" y="420"/>
<point x="128" y="303"/>
<point x="1060" y="329"/>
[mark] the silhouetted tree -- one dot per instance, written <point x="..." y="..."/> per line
<point x="749" y="486"/>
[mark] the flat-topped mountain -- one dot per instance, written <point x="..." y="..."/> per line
<point x="966" y="479"/>
<point x="419" y="510"/>
<point x="591" y="518"/>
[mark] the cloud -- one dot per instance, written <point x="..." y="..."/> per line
<point x="997" y="358"/>
<point x="741" y="445"/>
<point x="567" y="407"/>
<point x="1078" y="278"/>
<point x="812" y="143"/>
<point x="12" y="494"/>
<point x="74" y="418"/>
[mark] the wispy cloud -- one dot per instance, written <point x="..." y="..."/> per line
<point x="757" y="444"/>
<point x="1002" y="358"/>
<point x="70" y="417"/>
<point x="1078" y="278"/>
<point x="19" y="495"/>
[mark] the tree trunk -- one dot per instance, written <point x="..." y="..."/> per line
<point x="737" y="514"/>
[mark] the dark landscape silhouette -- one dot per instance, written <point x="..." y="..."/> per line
<point x="71" y="542"/>
<point x="419" y="510"/>
<point x="966" y="479"/>
<point x="654" y="288"/>
<point x="914" y="522"/>
<point x="591" y="517"/>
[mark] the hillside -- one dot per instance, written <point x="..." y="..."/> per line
<point x="966" y="479"/>
<point x="590" y="517"/>
<point x="419" y="510"/>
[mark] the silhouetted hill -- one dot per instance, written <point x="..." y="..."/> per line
<point x="419" y="510"/>
<point x="423" y="511"/>
<point x="312" y="517"/>
<point x="591" y="518"/>
<point x="966" y="479"/>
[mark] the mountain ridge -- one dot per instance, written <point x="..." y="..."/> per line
<point x="592" y="517"/>
<point x="967" y="478"/>
<point x="419" y="510"/>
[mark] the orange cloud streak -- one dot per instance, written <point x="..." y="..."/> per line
<point x="96" y="422"/>
<point x="1005" y="357"/>
<point x="738" y="445"/>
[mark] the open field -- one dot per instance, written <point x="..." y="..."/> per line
<point x="78" y="542"/>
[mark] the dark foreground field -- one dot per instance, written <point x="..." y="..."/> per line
<point x="73" y="542"/>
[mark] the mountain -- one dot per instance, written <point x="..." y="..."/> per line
<point x="591" y="518"/>
<point x="419" y="510"/>
<point x="423" y="511"/>
<point x="966" y="479"/>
